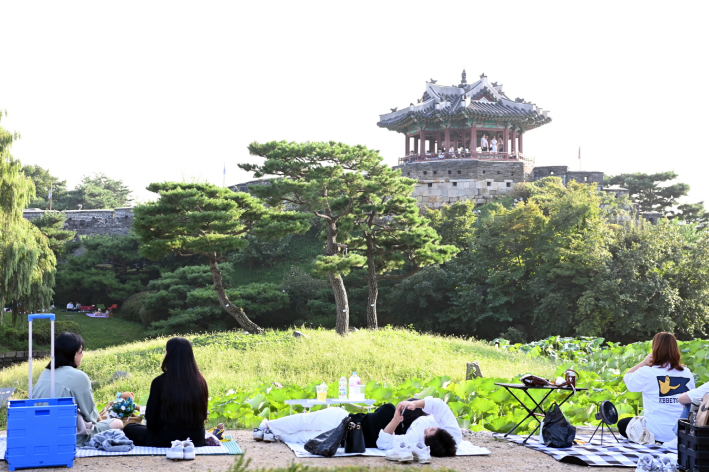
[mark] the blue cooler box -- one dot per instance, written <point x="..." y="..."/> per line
<point x="41" y="432"/>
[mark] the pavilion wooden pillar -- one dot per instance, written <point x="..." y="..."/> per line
<point x="473" y="141"/>
<point x="438" y="144"/>
<point x="422" y="140"/>
<point x="513" y="148"/>
<point x="416" y="144"/>
<point x="407" y="146"/>
<point x="448" y="140"/>
<point x="521" y="142"/>
<point x="505" y="139"/>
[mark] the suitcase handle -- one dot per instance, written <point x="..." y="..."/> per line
<point x="39" y="316"/>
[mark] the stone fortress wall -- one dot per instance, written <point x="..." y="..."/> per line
<point x="450" y="180"/>
<point x="86" y="222"/>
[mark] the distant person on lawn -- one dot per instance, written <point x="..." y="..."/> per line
<point x="69" y="381"/>
<point x="427" y="421"/>
<point x="663" y="381"/>
<point x="177" y="406"/>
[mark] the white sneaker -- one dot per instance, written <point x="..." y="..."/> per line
<point x="268" y="435"/>
<point x="188" y="449"/>
<point x="258" y="434"/>
<point x="400" y="453"/>
<point x="668" y="462"/>
<point x="421" y="453"/>
<point x="177" y="451"/>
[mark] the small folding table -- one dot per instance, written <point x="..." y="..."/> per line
<point x="537" y="406"/>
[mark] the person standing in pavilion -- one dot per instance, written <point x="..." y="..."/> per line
<point x="493" y="144"/>
<point x="483" y="143"/>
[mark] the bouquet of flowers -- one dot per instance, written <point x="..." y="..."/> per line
<point x="122" y="407"/>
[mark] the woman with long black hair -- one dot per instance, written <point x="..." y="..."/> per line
<point x="69" y="381"/>
<point x="177" y="406"/>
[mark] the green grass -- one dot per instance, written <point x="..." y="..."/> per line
<point x="98" y="333"/>
<point x="241" y="464"/>
<point x="230" y="360"/>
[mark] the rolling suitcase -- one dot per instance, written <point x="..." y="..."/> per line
<point x="41" y="432"/>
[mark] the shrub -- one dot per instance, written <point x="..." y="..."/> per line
<point x="16" y="337"/>
<point x="133" y="309"/>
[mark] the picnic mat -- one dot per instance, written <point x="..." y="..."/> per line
<point x="97" y="315"/>
<point x="466" y="449"/>
<point x="610" y="454"/>
<point x="225" y="448"/>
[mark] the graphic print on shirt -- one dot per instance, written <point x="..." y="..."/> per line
<point x="670" y="386"/>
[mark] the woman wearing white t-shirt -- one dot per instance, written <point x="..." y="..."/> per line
<point x="493" y="145"/>
<point x="662" y="379"/>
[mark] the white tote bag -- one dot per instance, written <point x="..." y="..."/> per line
<point x="638" y="433"/>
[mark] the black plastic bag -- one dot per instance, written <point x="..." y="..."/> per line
<point x="326" y="444"/>
<point x="556" y="429"/>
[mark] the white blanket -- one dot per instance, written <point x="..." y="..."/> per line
<point x="466" y="449"/>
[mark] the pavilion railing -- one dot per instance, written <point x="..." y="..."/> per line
<point x="514" y="156"/>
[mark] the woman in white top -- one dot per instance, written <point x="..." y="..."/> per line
<point x="662" y="379"/>
<point x="427" y="421"/>
<point x="493" y="145"/>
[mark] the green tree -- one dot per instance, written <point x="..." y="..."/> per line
<point x="327" y="180"/>
<point x="184" y="301"/>
<point x="193" y="219"/>
<point x="656" y="280"/>
<point x="43" y="182"/>
<point x="109" y="270"/>
<point x="693" y="213"/>
<point x="97" y="192"/>
<point x="51" y="224"/>
<point x="390" y="232"/>
<point x="27" y="264"/>
<point x="652" y="192"/>
<point x="454" y="223"/>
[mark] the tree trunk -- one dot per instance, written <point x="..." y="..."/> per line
<point x="342" y="323"/>
<point x="373" y="286"/>
<point x="342" y="320"/>
<point x="235" y="311"/>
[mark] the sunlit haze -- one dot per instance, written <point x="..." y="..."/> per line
<point x="155" y="91"/>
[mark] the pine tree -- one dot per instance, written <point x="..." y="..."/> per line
<point x="327" y="180"/>
<point x="391" y="233"/>
<point x="192" y="219"/>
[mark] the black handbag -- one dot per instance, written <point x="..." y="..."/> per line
<point x="556" y="429"/>
<point x="326" y="444"/>
<point x="354" y="439"/>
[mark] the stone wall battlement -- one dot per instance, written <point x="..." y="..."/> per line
<point x="88" y="222"/>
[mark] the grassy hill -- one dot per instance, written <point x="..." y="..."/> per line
<point x="230" y="360"/>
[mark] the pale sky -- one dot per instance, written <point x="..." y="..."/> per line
<point x="152" y="91"/>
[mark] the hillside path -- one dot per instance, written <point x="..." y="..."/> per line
<point x="505" y="456"/>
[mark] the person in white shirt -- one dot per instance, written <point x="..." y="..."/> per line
<point x="662" y="379"/>
<point x="493" y="145"/>
<point x="483" y="143"/>
<point x="427" y="421"/>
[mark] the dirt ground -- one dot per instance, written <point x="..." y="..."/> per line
<point x="506" y="456"/>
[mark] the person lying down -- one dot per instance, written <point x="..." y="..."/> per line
<point x="413" y="421"/>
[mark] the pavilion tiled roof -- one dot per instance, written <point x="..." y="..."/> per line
<point x="479" y="100"/>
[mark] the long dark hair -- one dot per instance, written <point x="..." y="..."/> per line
<point x="185" y="393"/>
<point x="66" y="345"/>
<point x="665" y="351"/>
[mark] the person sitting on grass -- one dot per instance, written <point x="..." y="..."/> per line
<point x="177" y="405"/>
<point x="69" y="381"/>
<point x="663" y="380"/>
<point x="427" y="421"/>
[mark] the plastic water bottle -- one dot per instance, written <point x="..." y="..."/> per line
<point x="355" y="383"/>
<point x="343" y="388"/>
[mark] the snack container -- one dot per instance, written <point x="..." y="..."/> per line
<point x="41" y="432"/>
<point x="692" y="447"/>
